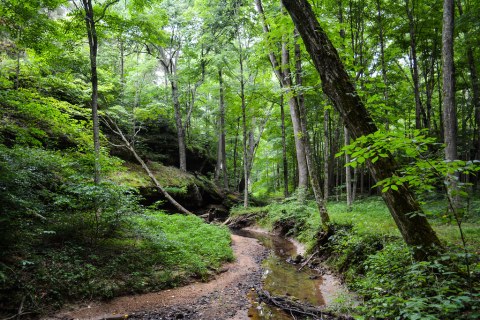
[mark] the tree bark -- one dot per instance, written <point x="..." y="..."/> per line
<point x="284" y="149"/>
<point x="221" y="168"/>
<point x="93" y="46"/>
<point x="309" y="157"/>
<point x="297" y="127"/>
<point x="283" y="74"/>
<point x="235" y="154"/>
<point x="244" y="130"/>
<point x="326" y="153"/>
<point x="182" y="150"/>
<point x="476" y="95"/>
<point x="420" y="116"/>
<point x="449" y="108"/>
<point x="336" y="84"/>
<point x="381" y="39"/>
<point x="348" y="171"/>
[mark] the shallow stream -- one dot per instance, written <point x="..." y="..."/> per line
<point x="281" y="278"/>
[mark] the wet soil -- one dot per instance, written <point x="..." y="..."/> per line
<point x="224" y="297"/>
<point x="261" y="263"/>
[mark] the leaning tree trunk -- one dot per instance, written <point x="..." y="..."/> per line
<point x="336" y="84"/>
<point x="116" y="129"/>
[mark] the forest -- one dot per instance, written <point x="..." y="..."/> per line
<point x="138" y="136"/>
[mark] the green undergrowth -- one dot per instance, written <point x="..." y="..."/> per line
<point x="64" y="238"/>
<point x="152" y="251"/>
<point x="367" y="250"/>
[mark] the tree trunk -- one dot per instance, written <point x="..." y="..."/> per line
<point x="284" y="150"/>
<point x="309" y="158"/>
<point x="297" y="127"/>
<point x="235" y="153"/>
<point x="382" y="59"/>
<point x="348" y="172"/>
<point x="449" y="109"/>
<point x="476" y="96"/>
<point x="244" y="132"/>
<point x="420" y="116"/>
<point x="182" y="151"/>
<point x="336" y="84"/>
<point x="326" y="157"/>
<point x="221" y="168"/>
<point x="114" y="127"/>
<point x="283" y="75"/>
<point x="93" y="46"/>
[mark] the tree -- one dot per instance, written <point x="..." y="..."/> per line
<point x="283" y="74"/>
<point x="404" y="208"/>
<point x="449" y="110"/>
<point x="90" y="23"/>
<point x="221" y="168"/>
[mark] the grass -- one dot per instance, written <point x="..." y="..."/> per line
<point x="155" y="251"/>
<point x="367" y="249"/>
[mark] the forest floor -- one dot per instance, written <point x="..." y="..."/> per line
<point x="224" y="297"/>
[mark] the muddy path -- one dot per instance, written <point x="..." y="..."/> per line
<point x="224" y="297"/>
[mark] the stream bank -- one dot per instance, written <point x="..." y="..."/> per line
<point x="224" y="297"/>
<point x="263" y="262"/>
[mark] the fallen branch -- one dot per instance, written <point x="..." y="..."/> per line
<point x="298" y="308"/>
<point x="241" y="221"/>
<point x="308" y="260"/>
<point x="114" y="127"/>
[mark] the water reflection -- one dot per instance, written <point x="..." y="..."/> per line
<point x="281" y="278"/>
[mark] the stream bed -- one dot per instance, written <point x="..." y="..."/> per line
<point x="281" y="278"/>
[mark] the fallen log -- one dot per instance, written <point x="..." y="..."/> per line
<point x="241" y="221"/>
<point x="303" y="309"/>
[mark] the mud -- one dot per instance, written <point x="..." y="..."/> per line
<point x="224" y="297"/>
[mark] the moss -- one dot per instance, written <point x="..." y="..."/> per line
<point x="133" y="175"/>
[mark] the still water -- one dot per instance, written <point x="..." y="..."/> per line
<point x="281" y="278"/>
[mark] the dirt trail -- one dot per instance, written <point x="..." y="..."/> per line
<point x="224" y="297"/>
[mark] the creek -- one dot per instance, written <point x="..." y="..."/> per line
<point x="282" y="278"/>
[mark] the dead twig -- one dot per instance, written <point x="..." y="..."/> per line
<point x="308" y="260"/>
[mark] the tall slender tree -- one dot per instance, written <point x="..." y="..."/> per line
<point x="283" y="74"/>
<point x="90" y="22"/>
<point x="449" y="108"/>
